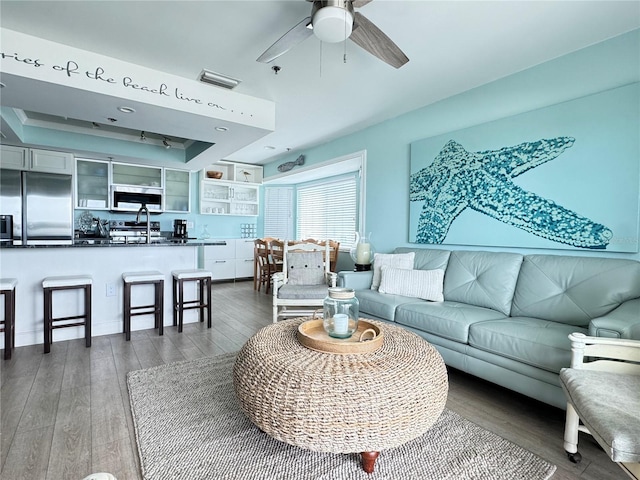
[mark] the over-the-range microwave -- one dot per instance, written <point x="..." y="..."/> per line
<point x="130" y="199"/>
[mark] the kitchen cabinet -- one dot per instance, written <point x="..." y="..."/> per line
<point x="177" y="188"/>
<point x="230" y="261"/>
<point x="228" y="198"/>
<point x="48" y="161"/>
<point x="14" y="158"/>
<point x="220" y="260"/>
<point x="92" y="184"/>
<point x="244" y="257"/>
<point x="136" y="175"/>
<point x="51" y="162"/>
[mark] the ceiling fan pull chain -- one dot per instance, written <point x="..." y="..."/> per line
<point x="346" y="35"/>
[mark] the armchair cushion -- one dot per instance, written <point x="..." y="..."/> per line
<point x="305" y="268"/>
<point x="608" y="405"/>
<point x="303" y="292"/>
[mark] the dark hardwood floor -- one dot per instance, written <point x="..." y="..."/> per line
<point x="66" y="414"/>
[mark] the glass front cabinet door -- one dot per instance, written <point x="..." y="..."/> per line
<point x="176" y="190"/>
<point x="92" y="184"/>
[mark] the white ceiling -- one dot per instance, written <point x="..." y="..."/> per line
<point x="453" y="46"/>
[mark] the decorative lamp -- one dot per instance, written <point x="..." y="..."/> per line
<point x="340" y="311"/>
<point x="362" y="252"/>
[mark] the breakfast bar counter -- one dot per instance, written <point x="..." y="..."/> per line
<point x="105" y="263"/>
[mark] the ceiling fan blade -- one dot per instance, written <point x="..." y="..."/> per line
<point x="360" y="3"/>
<point x="286" y="42"/>
<point x="366" y="35"/>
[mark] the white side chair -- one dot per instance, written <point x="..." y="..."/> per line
<point x="304" y="282"/>
<point x="603" y="398"/>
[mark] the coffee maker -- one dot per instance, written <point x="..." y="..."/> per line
<point x="180" y="229"/>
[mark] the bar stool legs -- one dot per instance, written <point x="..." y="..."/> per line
<point x="157" y="309"/>
<point x="51" y="284"/>
<point x="203" y="277"/>
<point x="8" y="324"/>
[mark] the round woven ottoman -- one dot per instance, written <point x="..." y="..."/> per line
<point x="340" y="403"/>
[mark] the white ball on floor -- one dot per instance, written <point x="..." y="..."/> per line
<point x="100" y="476"/>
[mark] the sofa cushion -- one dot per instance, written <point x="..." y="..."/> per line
<point x="484" y="279"/>
<point x="573" y="290"/>
<point x="427" y="259"/>
<point x="424" y="284"/>
<point x="533" y="341"/>
<point x="381" y="305"/>
<point x="446" y="319"/>
<point x="608" y="405"/>
<point x="397" y="260"/>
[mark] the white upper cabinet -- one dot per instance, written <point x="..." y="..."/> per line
<point x="19" y="158"/>
<point x="177" y="190"/>
<point x="230" y="189"/>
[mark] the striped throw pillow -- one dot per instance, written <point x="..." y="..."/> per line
<point x="396" y="260"/>
<point x="424" y="284"/>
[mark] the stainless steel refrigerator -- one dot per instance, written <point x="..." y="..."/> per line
<point x="41" y="205"/>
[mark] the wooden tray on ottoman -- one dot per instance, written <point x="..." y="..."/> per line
<point x="312" y="335"/>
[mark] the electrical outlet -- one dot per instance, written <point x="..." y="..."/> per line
<point x="111" y="289"/>
<point x="189" y="224"/>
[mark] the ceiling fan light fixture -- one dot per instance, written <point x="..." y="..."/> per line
<point x="332" y="24"/>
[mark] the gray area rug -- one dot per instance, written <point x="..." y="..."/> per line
<point x="189" y="426"/>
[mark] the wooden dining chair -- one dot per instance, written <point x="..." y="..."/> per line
<point x="262" y="269"/>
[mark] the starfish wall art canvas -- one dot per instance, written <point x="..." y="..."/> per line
<point x="564" y="176"/>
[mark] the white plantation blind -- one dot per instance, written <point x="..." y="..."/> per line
<point x="328" y="210"/>
<point x="278" y="213"/>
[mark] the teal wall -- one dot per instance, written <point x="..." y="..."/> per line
<point x="598" y="68"/>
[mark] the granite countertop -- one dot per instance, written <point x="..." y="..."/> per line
<point x="95" y="242"/>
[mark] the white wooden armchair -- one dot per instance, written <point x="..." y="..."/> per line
<point x="603" y="398"/>
<point x="304" y="281"/>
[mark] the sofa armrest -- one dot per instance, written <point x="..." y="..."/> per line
<point x="623" y="322"/>
<point x="355" y="280"/>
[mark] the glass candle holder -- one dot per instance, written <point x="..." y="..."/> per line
<point x="340" y="312"/>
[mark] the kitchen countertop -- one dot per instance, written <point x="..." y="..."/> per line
<point x="91" y="242"/>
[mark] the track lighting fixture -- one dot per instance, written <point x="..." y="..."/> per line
<point x="165" y="143"/>
<point x="143" y="137"/>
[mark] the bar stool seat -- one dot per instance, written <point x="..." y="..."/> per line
<point x="203" y="278"/>
<point x="8" y="324"/>
<point x="154" y="278"/>
<point x="67" y="282"/>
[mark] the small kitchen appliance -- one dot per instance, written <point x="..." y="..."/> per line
<point x="180" y="228"/>
<point x="6" y="228"/>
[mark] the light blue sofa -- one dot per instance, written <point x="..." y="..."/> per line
<point x="506" y="317"/>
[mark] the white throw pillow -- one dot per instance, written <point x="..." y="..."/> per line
<point x="424" y="284"/>
<point x="396" y="260"/>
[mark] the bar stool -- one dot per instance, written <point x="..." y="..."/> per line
<point x="154" y="278"/>
<point x="51" y="284"/>
<point x="203" y="277"/>
<point x="8" y="324"/>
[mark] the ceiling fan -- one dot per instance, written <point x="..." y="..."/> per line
<point x="334" y="21"/>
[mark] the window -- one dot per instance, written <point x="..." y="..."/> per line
<point x="278" y="212"/>
<point x="328" y="209"/>
<point x="325" y="200"/>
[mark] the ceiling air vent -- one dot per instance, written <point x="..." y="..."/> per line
<point x="218" y="79"/>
